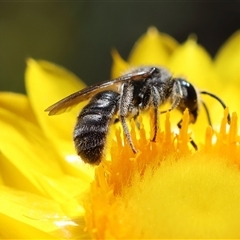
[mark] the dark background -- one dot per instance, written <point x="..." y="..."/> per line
<point x="80" y="34"/>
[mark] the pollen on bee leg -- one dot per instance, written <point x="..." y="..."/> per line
<point x="152" y="128"/>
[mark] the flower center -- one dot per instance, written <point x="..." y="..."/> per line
<point x="167" y="189"/>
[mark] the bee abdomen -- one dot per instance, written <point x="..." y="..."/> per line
<point x="92" y="126"/>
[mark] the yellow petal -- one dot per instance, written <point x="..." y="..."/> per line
<point x="18" y="103"/>
<point x="152" y="49"/>
<point x="28" y="159"/>
<point x="169" y="42"/>
<point x="47" y="83"/>
<point x="32" y="177"/>
<point x="34" y="217"/>
<point x="1" y="179"/>
<point x="228" y="59"/>
<point x="230" y="94"/>
<point x="65" y="190"/>
<point x="119" y="65"/>
<point x="192" y="61"/>
<point x="227" y="65"/>
<point x="27" y="121"/>
<point x="22" y="144"/>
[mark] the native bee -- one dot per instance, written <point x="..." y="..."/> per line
<point x="126" y="97"/>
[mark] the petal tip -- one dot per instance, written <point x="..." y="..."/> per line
<point x="152" y="30"/>
<point x="193" y="38"/>
<point x="30" y="61"/>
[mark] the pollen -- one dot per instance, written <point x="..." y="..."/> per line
<point x="168" y="189"/>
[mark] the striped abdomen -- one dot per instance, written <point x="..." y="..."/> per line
<point x="92" y="126"/>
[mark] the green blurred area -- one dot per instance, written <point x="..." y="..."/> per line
<point x="80" y="35"/>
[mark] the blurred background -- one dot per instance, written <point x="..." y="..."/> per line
<point x="80" y="35"/>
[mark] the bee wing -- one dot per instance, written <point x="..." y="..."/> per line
<point x="68" y="102"/>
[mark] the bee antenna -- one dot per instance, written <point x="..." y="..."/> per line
<point x="219" y="100"/>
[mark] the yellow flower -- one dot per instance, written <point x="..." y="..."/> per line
<point x="166" y="190"/>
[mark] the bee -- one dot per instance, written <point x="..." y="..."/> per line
<point x="123" y="98"/>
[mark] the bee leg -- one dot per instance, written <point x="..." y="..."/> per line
<point x="124" y="108"/>
<point x="127" y="133"/>
<point x="191" y="140"/>
<point x="135" y="120"/>
<point x="156" y="99"/>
